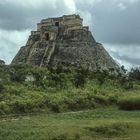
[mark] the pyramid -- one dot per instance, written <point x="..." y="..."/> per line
<point x="63" y="41"/>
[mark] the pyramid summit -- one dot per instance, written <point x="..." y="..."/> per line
<point x="63" y="40"/>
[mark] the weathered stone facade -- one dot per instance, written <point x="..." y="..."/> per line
<point x="63" y="40"/>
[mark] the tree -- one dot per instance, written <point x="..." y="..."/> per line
<point x="80" y="77"/>
<point x="135" y="73"/>
<point x="2" y="88"/>
<point x="123" y="69"/>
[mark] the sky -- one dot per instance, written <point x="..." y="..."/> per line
<point x="114" y="23"/>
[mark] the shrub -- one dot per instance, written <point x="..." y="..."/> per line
<point x="126" y="83"/>
<point x="79" y="81"/>
<point x="2" y="88"/>
<point x="80" y="102"/>
<point x="99" y="99"/>
<point x="135" y="73"/>
<point x="4" y="108"/>
<point x="130" y="103"/>
<point x="112" y="100"/>
<point x="55" y="103"/>
<point x="19" y="106"/>
<point x="109" y="130"/>
<point x="16" y="73"/>
<point x="60" y="103"/>
<point x="80" y="77"/>
<point x="25" y="106"/>
<point x="58" y="80"/>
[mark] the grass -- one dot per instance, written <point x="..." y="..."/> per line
<point x="66" y="106"/>
<point x="101" y="123"/>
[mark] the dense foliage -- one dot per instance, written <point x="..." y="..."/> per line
<point x="135" y="74"/>
<point x="26" y="89"/>
<point x="130" y="103"/>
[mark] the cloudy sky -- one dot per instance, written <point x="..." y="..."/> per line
<point x="114" y="23"/>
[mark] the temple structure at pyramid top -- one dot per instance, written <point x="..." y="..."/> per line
<point x="63" y="40"/>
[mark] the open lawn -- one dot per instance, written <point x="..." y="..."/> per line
<point x="99" y="124"/>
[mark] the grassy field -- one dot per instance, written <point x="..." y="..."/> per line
<point x="67" y="104"/>
<point x="99" y="124"/>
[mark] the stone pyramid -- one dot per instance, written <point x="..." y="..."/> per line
<point x="63" y="41"/>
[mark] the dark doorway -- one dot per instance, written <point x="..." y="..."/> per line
<point x="47" y="36"/>
<point x="57" y="24"/>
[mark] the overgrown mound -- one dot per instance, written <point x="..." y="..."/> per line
<point x="27" y="89"/>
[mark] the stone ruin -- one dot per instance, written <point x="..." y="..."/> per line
<point x="63" y="41"/>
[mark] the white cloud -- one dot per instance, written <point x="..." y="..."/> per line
<point x="32" y="3"/>
<point x="87" y="18"/>
<point x="114" y="21"/>
<point x="10" y="43"/>
<point x="132" y="1"/>
<point x="71" y="5"/>
<point x="127" y="55"/>
<point x="89" y="2"/>
<point x="121" y="6"/>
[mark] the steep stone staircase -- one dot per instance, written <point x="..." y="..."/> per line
<point x="50" y="48"/>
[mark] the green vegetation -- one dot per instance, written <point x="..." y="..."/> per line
<point x="34" y="104"/>
<point x="130" y="103"/>
<point x="135" y="73"/>
<point x="25" y="89"/>
<point x="101" y="124"/>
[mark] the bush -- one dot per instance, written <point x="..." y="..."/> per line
<point x="4" y="108"/>
<point x="130" y="103"/>
<point x="135" y="73"/>
<point x="80" y="102"/>
<point x="2" y="88"/>
<point x="126" y="83"/>
<point x="102" y="100"/>
<point x="57" y="80"/>
<point x="109" y="130"/>
<point x="26" y="106"/>
<point x="60" y="103"/>
<point x="112" y="100"/>
<point x="80" y="77"/>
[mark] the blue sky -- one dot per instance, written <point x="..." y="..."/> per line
<point x="114" y="23"/>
